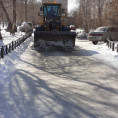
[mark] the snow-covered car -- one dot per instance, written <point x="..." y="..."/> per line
<point x="78" y="31"/>
<point x="72" y="27"/>
<point x="26" y="27"/>
<point x="81" y="33"/>
<point x="103" y="33"/>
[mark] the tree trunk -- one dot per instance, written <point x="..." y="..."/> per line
<point x="99" y="12"/>
<point x="7" y="16"/>
<point x="26" y="10"/>
<point x="5" y="11"/>
<point x="86" y="16"/>
<point x="14" y="28"/>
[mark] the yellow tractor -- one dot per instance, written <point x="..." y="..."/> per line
<point x="53" y="30"/>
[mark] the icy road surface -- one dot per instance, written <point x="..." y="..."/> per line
<point x="56" y="84"/>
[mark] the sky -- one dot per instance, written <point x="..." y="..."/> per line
<point x="72" y="5"/>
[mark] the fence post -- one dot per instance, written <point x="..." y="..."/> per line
<point x="6" y="49"/>
<point x="9" y="47"/>
<point x="17" y="42"/>
<point x="110" y="44"/>
<point x="23" y="39"/>
<point x="20" y="41"/>
<point x="117" y="47"/>
<point x="12" y="45"/>
<point x="107" y="43"/>
<point x="2" y="52"/>
<point x="30" y="34"/>
<point x="113" y="46"/>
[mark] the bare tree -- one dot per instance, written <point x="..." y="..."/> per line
<point x="5" y="11"/>
<point x="25" y="10"/>
<point x="91" y="13"/>
<point x="14" y="29"/>
<point x="112" y="12"/>
<point x="7" y="16"/>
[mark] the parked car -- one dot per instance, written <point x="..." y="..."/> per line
<point x="26" y="27"/>
<point x="78" y="31"/>
<point x="103" y="33"/>
<point x="72" y="27"/>
<point x="81" y="33"/>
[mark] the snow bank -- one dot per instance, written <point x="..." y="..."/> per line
<point x="105" y="54"/>
<point x="6" y="67"/>
<point x="108" y="54"/>
<point x="7" y="38"/>
<point x="81" y="33"/>
<point x="9" y="62"/>
<point x="1" y="43"/>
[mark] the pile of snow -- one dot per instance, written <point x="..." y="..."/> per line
<point x="7" y="38"/>
<point x="108" y="55"/>
<point x="1" y="43"/>
<point x="81" y="33"/>
<point x="26" y="27"/>
<point x="8" y="63"/>
<point x="6" y="66"/>
<point x="104" y="53"/>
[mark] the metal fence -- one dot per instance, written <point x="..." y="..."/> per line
<point x="4" y="50"/>
<point x="112" y="45"/>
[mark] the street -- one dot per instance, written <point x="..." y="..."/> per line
<point x="57" y="84"/>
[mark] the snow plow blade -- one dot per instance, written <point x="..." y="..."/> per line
<point x="52" y="38"/>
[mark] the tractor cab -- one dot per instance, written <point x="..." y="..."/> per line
<point x="51" y="10"/>
<point x="52" y="16"/>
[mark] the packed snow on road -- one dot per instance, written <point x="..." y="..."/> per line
<point x="58" y="84"/>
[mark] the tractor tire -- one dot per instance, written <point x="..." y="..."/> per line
<point x="95" y="42"/>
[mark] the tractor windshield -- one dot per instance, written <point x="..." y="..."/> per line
<point x="52" y="11"/>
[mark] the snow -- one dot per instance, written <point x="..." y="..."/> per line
<point x="59" y="84"/>
<point x="7" y="38"/>
<point x="1" y="43"/>
<point x="8" y="63"/>
<point x="81" y="33"/>
<point x="104" y="53"/>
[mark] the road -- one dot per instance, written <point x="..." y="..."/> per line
<point x="57" y="84"/>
